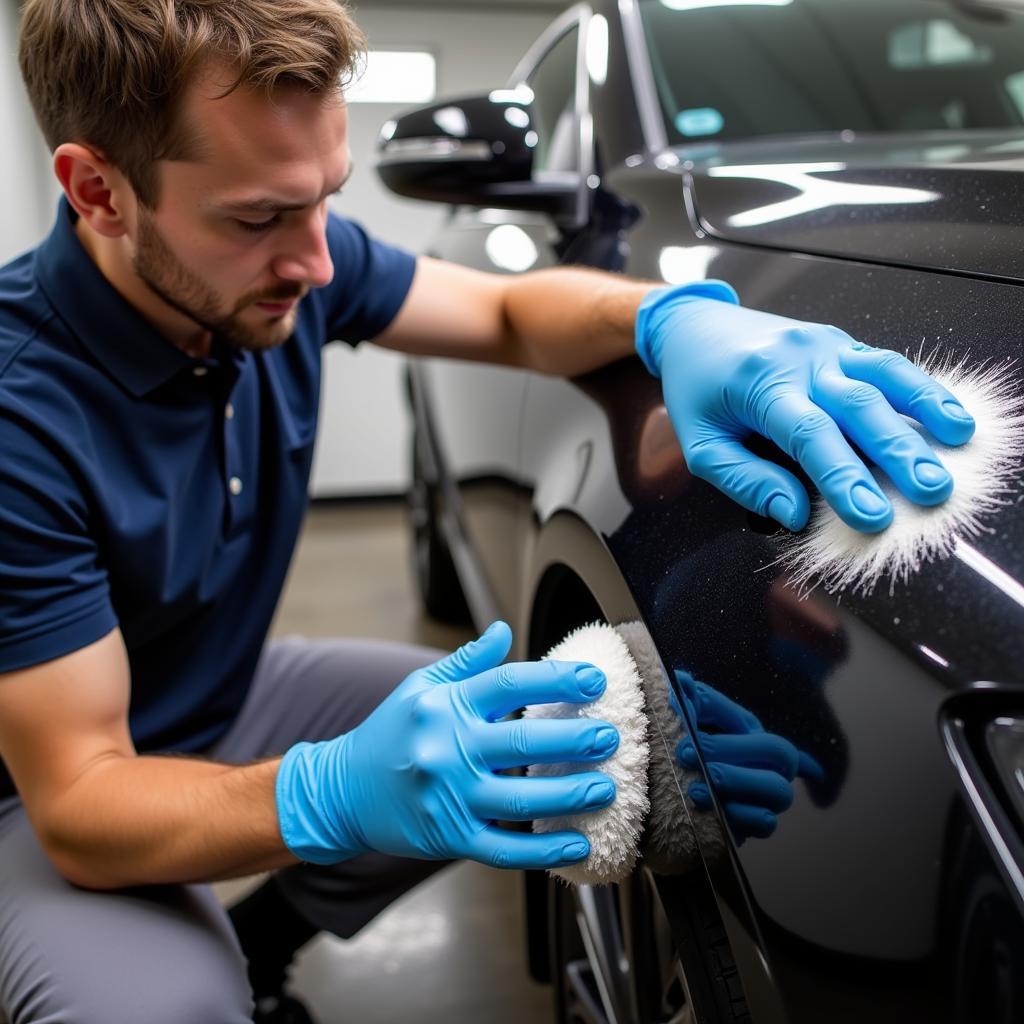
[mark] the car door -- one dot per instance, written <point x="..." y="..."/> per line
<point x="477" y="410"/>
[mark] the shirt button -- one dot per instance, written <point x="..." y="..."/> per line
<point x="235" y="486"/>
<point x="200" y="371"/>
<point x="229" y="411"/>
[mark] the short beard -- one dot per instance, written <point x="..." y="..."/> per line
<point x="185" y="291"/>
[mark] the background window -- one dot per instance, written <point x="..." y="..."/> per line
<point x="553" y="82"/>
<point x="395" y="76"/>
<point x="743" y="70"/>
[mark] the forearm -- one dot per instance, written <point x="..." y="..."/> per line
<point x="151" y="820"/>
<point x="567" y="321"/>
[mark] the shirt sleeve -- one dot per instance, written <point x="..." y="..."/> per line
<point x="371" y="281"/>
<point x="54" y="591"/>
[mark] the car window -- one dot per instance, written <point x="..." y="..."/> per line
<point x="737" y="70"/>
<point x="553" y="82"/>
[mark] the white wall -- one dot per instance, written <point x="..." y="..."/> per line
<point x="364" y="429"/>
<point x="28" y="189"/>
<point x="363" y="442"/>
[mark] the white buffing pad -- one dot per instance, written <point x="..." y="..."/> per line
<point x="678" y="832"/>
<point x="985" y="472"/>
<point x="614" y="832"/>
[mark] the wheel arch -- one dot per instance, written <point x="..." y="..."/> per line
<point x="572" y="579"/>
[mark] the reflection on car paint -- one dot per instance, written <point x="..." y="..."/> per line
<point x="876" y="896"/>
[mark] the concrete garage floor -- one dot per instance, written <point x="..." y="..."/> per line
<point x="453" y="949"/>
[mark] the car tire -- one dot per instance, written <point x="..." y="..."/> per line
<point x="436" y="579"/>
<point x="616" y="956"/>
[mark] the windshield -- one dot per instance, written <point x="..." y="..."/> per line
<point x="729" y="69"/>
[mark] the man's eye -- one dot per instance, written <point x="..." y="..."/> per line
<point x="263" y="225"/>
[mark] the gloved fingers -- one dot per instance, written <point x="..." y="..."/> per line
<point x="507" y="688"/>
<point x="814" y="439"/>
<point x="763" y="750"/>
<point x="750" y="785"/>
<point x="744" y="819"/>
<point x="809" y="768"/>
<point x="865" y="416"/>
<point x="501" y="848"/>
<point x="700" y="795"/>
<point x="713" y="709"/>
<point x="686" y="685"/>
<point x="486" y="652"/>
<point x="758" y="485"/>
<point x="748" y="821"/>
<point x="910" y="391"/>
<point x="546" y="741"/>
<point x="513" y="798"/>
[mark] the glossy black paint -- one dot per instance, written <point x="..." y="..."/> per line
<point x="881" y="893"/>
<point x="476" y="150"/>
<point x="945" y="201"/>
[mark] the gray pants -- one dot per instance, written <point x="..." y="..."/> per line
<point x="168" y="954"/>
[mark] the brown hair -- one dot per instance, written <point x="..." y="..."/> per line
<point x="111" y="73"/>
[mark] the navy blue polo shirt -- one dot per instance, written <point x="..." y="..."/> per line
<point x="145" y="489"/>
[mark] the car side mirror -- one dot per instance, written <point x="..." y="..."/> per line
<point x="476" y="151"/>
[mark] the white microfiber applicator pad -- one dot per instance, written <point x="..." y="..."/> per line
<point x="985" y="471"/>
<point x="614" y="832"/>
<point x="677" y="830"/>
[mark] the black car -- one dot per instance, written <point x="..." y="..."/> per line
<point x="854" y="162"/>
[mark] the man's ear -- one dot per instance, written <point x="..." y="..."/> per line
<point x="100" y="194"/>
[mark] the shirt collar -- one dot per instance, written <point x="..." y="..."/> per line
<point x="132" y="351"/>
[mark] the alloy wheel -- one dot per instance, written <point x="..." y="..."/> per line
<point x="625" y="969"/>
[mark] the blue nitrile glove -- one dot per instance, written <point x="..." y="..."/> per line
<point x="418" y="777"/>
<point x="728" y="372"/>
<point x="751" y="770"/>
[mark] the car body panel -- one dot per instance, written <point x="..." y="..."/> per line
<point x="947" y="201"/>
<point x="882" y="891"/>
<point x="873" y="847"/>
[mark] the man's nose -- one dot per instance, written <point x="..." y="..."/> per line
<point x="306" y="257"/>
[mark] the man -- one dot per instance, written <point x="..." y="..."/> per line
<point x="159" y="378"/>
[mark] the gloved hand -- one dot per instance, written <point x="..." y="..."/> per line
<point x="417" y="777"/>
<point x="752" y="770"/>
<point x="728" y="372"/>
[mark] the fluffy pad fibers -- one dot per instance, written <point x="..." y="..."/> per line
<point x="677" y="831"/>
<point x="614" y="832"/>
<point x="985" y="474"/>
